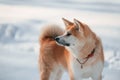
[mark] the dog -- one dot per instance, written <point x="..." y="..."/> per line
<point x="76" y="50"/>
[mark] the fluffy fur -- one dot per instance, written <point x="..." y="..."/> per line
<point x="59" y="50"/>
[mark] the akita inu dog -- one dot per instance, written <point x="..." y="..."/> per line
<point x="76" y="50"/>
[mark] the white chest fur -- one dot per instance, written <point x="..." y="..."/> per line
<point x="86" y="71"/>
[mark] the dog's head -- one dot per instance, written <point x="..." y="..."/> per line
<point x="75" y="35"/>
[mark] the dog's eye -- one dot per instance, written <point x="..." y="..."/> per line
<point x="68" y="34"/>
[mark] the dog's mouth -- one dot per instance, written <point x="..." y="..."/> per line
<point x="64" y="44"/>
<point x="61" y="42"/>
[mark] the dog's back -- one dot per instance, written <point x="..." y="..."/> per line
<point x="52" y="57"/>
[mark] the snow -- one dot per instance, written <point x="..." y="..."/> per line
<point x="21" y="23"/>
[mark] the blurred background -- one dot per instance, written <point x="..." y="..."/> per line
<point x="21" y="22"/>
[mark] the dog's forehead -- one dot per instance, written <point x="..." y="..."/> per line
<point x="72" y="30"/>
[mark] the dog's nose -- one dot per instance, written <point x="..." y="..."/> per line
<point x="57" y="39"/>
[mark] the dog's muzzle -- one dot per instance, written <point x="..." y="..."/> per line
<point x="61" y="42"/>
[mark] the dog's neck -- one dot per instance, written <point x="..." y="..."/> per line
<point x="86" y="58"/>
<point x="83" y="54"/>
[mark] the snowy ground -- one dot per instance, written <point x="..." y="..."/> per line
<point x="21" y="23"/>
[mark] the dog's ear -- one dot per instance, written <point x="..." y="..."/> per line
<point x="78" y="25"/>
<point x="66" y="22"/>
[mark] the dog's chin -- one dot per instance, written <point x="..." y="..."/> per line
<point x="63" y="44"/>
